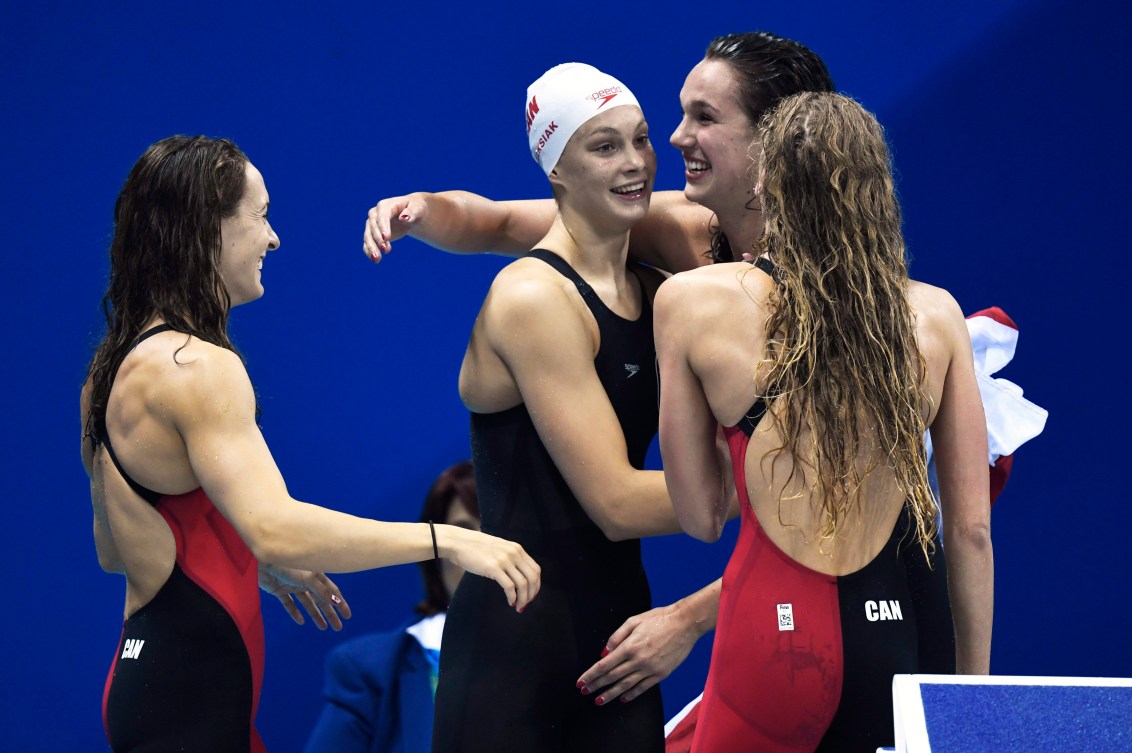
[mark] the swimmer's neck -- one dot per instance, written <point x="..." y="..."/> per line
<point x="593" y="252"/>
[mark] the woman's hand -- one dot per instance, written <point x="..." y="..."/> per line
<point x="317" y="593"/>
<point x="389" y="220"/>
<point x="505" y="562"/>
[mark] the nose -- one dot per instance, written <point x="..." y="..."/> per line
<point x="680" y="138"/>
<point x="272" y="238"/>
<point x="635" y="160"/>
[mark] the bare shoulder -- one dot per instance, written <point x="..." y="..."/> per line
<point x="936" y="309"/>
<point x="525" y="290"/>
<point x="717" y="289"/>
<point x="188" y="379"/>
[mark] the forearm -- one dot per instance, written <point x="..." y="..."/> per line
<point x="467" y="223"/>
<point x="314" y="538"/>
<point x="639" y="507"/>
<point x="970" y="582"/>
<point x="700" y="610"/>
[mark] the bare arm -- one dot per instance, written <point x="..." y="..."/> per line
<point x="960" y="446"/>
<point x="697" y="478"/>
<point x="552" y="366"/>
<point x="458" y="222"/>
<point x="649" y="646"/>
<point x="674" y="236"/>
<point x="214" y="411"/>
<point x="107" y="551"/>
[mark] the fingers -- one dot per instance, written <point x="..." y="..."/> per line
<point x="289" y="604"/>
<point x="518" y="574"/>
<point x="375" y="240"/>
<point x="603" y="674"/>
<point x="388" y="220"/>
<point x="629" y="688"/>
<point x="311" y="606"/>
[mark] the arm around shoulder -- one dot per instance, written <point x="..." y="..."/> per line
<point x="458" y="222"/>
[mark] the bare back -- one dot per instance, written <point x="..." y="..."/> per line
<point x="722" y="318"/>
<point x="151" y="391"/>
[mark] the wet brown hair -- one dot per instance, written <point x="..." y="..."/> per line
<point x="841" y="337"/>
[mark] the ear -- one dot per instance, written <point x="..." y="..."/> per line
<point x="555" y="179"/>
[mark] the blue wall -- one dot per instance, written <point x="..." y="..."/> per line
<point x="1009" y="136"/>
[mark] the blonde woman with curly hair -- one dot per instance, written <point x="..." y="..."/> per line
<point x="824" y="364"/>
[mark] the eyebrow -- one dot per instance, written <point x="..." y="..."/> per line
<point x="702" y="104"/>
<point x="611" y="131"/>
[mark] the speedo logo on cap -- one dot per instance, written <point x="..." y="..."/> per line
<point x="605" y="95"/>
<point x="532" y="110"/>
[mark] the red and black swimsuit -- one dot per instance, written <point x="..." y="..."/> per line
<point x="189" y="665"/>
<point x="803" y="661"/>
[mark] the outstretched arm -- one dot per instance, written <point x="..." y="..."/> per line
<point x="213" y="408"/>
<point x="458" y="222"/>
<point x="959" y="439"/>
<point x="673" y="237"/>
<point x="649" y="646"/>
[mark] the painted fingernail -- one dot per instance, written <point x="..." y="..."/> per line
<point x="600" y="700"/>
<point x="520" y="610"/>
<point x="624" y="699"/>
<point x="404" y="217"/>
<point x="605" y="652"/>
<point x="586" y="691"/>
<point x="581" y="684"/>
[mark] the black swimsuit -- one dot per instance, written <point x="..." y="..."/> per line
<point x="507" y="680"/>
<point x="189" y="665"/>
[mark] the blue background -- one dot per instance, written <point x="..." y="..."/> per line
<point x="1007" y="121"/>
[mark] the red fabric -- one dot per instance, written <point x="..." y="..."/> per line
<point x="212" y="554"/>
<point x="799" y="687"/>
<point x="679" y="740"/>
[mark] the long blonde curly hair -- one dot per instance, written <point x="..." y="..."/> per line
<point x="841" y="338"/>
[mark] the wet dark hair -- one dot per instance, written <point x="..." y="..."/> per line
<point x="165" y="254"/>
<point x="456" y="483"/>
<point x="767" y="69"/>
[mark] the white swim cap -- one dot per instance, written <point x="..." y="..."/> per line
<point x="564" y="98"/>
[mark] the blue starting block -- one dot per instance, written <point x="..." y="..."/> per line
<point x="989" y="714"/>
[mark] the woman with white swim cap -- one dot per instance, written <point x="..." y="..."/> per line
<point x="560" y="378"/>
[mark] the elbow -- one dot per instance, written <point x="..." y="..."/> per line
<point x="268" y="543"/>
<point x="705" y="529"/>
<point x="617" y="530"/>
<point x="973" y="536"/>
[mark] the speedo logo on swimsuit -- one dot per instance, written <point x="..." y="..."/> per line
<point x="132" y="648"/>
<point x="883" y="610"/>
<point x="605" y="95"/>
<point x="632" y="368"/>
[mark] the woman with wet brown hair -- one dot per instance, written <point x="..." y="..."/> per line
<point x="188" y="502"/>
<point x="824" y="364"/>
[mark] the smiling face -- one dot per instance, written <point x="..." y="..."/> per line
<point x="245" y="239"/>
<point x="715" y="137"/>
<point x="606" y="171"/>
